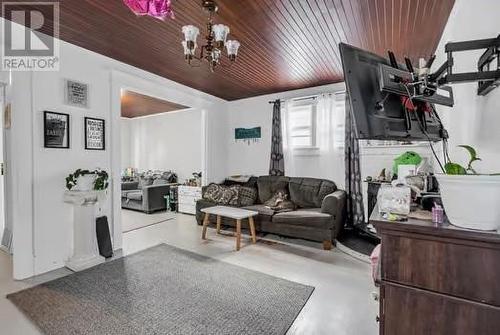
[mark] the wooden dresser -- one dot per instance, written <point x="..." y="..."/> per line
<point x="438" y="280"/>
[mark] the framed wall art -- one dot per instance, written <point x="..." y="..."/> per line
<point x="76" y="94"/>
<point x="248" y="135"/>
<point x="95" y="134"/>
<point x="56" y="130"/>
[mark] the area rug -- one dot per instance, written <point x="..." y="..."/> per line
<point x="164" y="290"/>
<point x="133" y="220"/>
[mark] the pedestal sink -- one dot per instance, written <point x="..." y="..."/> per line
<point x="85" y="249"/>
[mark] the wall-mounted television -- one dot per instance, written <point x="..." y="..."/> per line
<point x="380" y="115"/>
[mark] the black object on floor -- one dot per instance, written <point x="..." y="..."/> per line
<point x="355" y="240"/>
<point x="103" y="237"/>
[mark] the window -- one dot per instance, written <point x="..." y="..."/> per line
<point x="302" y="123"/>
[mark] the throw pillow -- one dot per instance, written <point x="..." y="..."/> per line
<point x="279" y="202"/>
<point x="221" y="194"/>
<point x="145" y="181"/>
<point x="247" y="196"/>
<point x="232" y="195"/>
<point x="212" y="192"/>
<point x="170" y="176"/>
<point x="160" y="181"/>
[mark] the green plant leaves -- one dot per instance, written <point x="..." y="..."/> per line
<point x="473" y="157"/>
<point x="454" y="169"/>
<point x="70" y="182"/>
<point x="100" y="183"/>
<point x="471" y="150"/>
<point x="457" y="169"/>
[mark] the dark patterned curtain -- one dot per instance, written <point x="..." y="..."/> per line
<point x="277" y="164"/>
<point x="355" y="208"/>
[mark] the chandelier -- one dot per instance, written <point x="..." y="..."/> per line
<point x="215" y="41"/>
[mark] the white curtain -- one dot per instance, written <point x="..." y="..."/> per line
<point x="326" y="159"/>
<point x="287" y="151"/>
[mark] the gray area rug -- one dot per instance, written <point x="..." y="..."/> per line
<point x="164" y="290"/>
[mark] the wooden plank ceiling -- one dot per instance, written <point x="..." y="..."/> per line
<point x="285" y="44"/>
<point x="136" y="104"/>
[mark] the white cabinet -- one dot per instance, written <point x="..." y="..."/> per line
<point x="187" y="198"/>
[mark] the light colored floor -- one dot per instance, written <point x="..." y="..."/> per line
<point x="340" y="305"/>
<point x="132" y="220"/>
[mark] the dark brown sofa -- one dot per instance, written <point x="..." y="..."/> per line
<point x="319" y="217"/>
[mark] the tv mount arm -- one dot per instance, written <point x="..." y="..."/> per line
<point x="422" y="86"/>
<point x="488" y="79"/>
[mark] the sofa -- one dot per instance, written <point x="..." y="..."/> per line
<point x="147" y="192"/>
<point x="319" y="214"/>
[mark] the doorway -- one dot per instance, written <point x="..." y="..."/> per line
<point x="160" y="148"/>
<point x="163" y="90"/>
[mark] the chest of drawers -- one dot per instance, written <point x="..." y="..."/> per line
<point x="187" y="198"/>
<point x="438" y="279"/>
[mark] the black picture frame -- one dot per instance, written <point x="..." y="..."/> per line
<point x="56" y="130"/>
<point x="102" y="134"/>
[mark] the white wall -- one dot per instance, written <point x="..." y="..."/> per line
<point x="42" y="222"/>
<point x="474" y="119"/>
<point x="52" y="218"/>
<point x="167" y="141"/>
<point x="126" y="149"/>
<point x="254" y="159"/>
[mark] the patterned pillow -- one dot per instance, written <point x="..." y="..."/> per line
<point x="221" y="194"/>
<point x="233" y="195"/>
<point x="145" y="181"/>
<point x="247" y="196"/>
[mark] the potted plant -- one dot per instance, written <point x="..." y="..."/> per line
<point x="471" y="200"/>
<point x="85" y="180"/>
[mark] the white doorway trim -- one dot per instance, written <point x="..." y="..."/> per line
<point x="5" y="241"/>
<point x="19" y="178"/>
<point x="157" y="89"/>
<point x="204" y="147"/>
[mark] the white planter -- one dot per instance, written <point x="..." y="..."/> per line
<point x="85" y="183"/>
<point x="471" y="201"/>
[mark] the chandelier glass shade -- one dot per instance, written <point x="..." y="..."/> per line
<point x="190" y="33"/>
<point x="220" y="33"/>
<point x="212" y="50"/>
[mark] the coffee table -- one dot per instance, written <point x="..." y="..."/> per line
<point x="237" y="214"/>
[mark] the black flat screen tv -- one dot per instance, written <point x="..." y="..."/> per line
<point x="380" y="115"/>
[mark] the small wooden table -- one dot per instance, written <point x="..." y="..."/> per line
<point x="237" y="214"/>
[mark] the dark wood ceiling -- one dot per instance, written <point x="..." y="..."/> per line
<point x="285" y="44"/>
<point x="136" y="104"/>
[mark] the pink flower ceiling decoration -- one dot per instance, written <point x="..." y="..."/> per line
<point x="159" y="9"/>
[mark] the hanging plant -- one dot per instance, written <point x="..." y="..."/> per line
<point x="101" y="182"/>
<point x="100" y="179"/>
